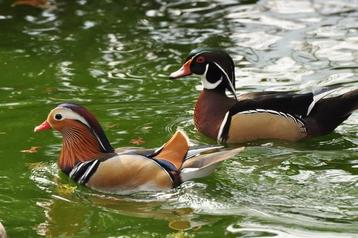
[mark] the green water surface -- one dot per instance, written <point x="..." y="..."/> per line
<point x="114" y="57"/>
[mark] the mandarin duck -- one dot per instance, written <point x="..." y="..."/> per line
<point x="88" y="157"/>
<point x="260" y="115"/>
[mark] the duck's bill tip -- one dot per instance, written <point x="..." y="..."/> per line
<point x="182" y="72"/>
<point x="179" y="73"/>
<point x="42" y="127"/>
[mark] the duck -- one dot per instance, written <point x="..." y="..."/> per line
<point x="2" y="231"/>
<point x="88" y="158"/>
<point x="266" y="115"/>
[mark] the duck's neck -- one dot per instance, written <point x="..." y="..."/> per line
<point x="79" y="145"/>
<point x="210" y="110"/>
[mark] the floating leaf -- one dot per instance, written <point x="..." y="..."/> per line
<point x="180" y="225"/>
<point x="32" y="149"/>
<point x="137" y="141"/>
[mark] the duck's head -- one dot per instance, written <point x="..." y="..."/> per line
<point x="71" y="120"/>
<point x="214" y="66"/>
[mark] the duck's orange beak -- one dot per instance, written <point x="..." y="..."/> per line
<point x="182" y="72"/>
<point x="43" y="126"/>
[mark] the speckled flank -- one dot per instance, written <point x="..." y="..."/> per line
<point x="263" y="125"/>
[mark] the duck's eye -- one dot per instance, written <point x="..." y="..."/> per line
<point x="200" y="59"/>
<point x="58" y="116"/>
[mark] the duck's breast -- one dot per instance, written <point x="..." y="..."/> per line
<point x="210" y="110"/>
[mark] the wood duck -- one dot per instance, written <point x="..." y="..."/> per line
<point x="260" y="115"/>
<point x="89" y="159"/>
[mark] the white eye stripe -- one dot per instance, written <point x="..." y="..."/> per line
<point x="228" y="79"/>
<point x="69" y="114"/>
<point x="200" y="54"/>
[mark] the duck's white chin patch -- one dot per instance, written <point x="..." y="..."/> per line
<point x="206" y="83"/>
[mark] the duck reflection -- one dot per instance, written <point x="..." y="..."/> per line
<point x="76" y="211"/>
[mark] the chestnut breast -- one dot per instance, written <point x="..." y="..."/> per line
<point x="210" y="110"/>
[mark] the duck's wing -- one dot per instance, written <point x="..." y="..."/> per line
<point x="261" y="95"/>
<point x="293" y="103"/>
<point x="173" y="153"/>
<point x="135" y="150"/>
<point x="202" y="149"/>
<point x="193" y="150"/>
<point x="290" y="103"/>
<point x="204" y="164"/>
<point x="269" y="115"/>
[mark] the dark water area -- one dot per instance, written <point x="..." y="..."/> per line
<point x="115" y="57"/>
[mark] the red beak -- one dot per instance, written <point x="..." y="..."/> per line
<point x="43" y="126"/>
<point x="182" y="72"/>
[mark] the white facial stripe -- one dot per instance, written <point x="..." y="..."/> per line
<point x="206" y="83"/>
<point x="228" y="79"/>
<point x="69" y="114"/>
<point x="202" y="52"/>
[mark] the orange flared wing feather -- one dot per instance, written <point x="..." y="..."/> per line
<point x="175" y="149"/>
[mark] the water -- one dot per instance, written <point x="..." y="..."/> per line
<point x="115" y="59"/>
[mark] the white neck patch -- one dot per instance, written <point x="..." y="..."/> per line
<point x="206" y="83"/>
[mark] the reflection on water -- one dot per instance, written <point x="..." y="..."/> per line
<point x="115" y="59"/>
<point x="58" y="210"/>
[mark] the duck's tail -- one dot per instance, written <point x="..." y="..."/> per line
<point x="203" y="164"/>
<point x="328" y="113"/>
